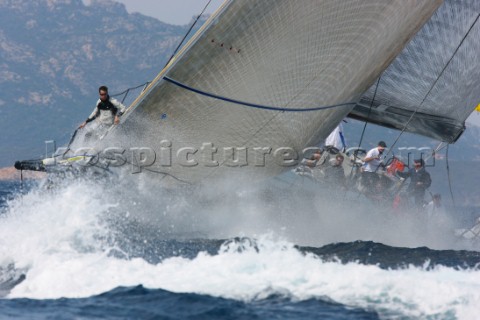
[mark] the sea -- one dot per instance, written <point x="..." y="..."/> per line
<point x="85" y="249"/>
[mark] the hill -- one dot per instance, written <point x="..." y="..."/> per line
<point x="55" y="54"/>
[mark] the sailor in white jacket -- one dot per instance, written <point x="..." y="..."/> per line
<point x="372" y="162"/>
<point x="107" y="110"/>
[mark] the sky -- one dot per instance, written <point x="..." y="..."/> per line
<point x="178" y="12"/>
<point x="474" y="118"/>
<point x="181" y="12"/>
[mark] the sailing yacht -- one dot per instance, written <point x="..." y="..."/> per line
<point x="260" y="82"/>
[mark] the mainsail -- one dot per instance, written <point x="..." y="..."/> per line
<point x="245" y="79"/>
<point x="433" y="85"/>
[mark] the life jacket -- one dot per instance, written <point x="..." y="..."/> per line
<point x="395" y="166"/>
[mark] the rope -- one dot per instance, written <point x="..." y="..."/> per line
<point x="96" y="165"/>
<point x="435" y="151"/>
<point x="167" y="175"/>
<point x="126" y="92"/>
<point x="158" y="172"/>
<point x="252" y="105"/>
<point x="448" y="176"/>
<point x="71" y="141"/>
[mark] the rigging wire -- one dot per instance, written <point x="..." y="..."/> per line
<point x="425" y="98"/>
<point x="146" y="84"/>
<point x="441" y="146"/>
<point x="188" y="32"/>
<point x="436" y="80"/>
<point x="308" y="109"/>
<point x="365" y="125"/>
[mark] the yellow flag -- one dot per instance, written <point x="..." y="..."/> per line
<point x="478" y="108"/>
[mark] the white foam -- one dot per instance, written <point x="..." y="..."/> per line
<point x="59" y="238"/>
<point x="43" y="224"/>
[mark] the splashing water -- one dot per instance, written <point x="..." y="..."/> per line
<point x="70" y="242"/>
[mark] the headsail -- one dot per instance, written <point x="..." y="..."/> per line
<point x="433" y="85"/>
<point x="281" y="54"/>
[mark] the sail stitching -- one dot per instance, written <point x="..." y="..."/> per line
<point x="260" y="129"/>
<point x="451" y="59"/>
<point x="436" y="81"/>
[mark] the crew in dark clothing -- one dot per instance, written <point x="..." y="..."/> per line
<point x="419" y="181"/>
<point x="335" y="173"/>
